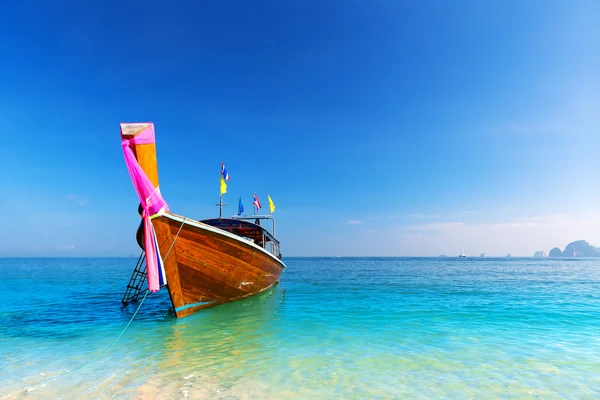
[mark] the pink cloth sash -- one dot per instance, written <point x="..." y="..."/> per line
<point x="152" y="203"/>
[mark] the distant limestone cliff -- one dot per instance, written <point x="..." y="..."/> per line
<point x="555" y="252"/>
<point x="579" y="248"/>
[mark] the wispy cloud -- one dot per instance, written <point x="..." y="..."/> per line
<point x="67" y="247"/>
<point x="517" y="235"/>
<point x="467" y="212"/>
<point x="578" y="118"/>
<point x="414" y="216"/>
<point x="353" y="222"/>
<point x="404" y="216"/>
<point x="542" y="221"/>
<point x="441" y="226"/>
<point x="78" y="199"/>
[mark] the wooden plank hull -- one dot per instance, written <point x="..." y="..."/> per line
<point x="206" y="266"/>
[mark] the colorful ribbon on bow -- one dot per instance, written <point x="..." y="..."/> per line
<point x="153" y="205"/>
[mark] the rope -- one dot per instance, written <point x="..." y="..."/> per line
<point x="118" y="337"/>
<point x="92" y="360"/>
<point x="176" y="236"/>
<point x="136" y="311"/>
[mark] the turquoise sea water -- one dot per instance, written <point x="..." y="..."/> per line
<point x="364" y="328"/>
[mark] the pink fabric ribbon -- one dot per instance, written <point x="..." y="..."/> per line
<point x="150" y="199"/>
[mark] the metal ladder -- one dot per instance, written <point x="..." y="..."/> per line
<point x="135" y="287"/>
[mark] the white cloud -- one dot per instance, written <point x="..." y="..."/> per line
<point x="78" y="199"/>
<point x="470" y="212"/>
<point x="545" y="221"/>
<point x="404" y="216"/>
<point x="423" y="216"/>
<point x="353" y="222"/>
<point x="440" y="226"/>
<point x="519" y="237"/>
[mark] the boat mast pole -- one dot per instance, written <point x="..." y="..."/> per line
<point x="220" y="194"/>
<point x="220" y="204"/>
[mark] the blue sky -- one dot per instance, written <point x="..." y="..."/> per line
<point x="379" y="128"/>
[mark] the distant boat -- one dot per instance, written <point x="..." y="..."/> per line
<point x="462" y="252"/>
<point x="508" y="255"/>
<point x="202" y="263"/>
<point x="482" y="255"/>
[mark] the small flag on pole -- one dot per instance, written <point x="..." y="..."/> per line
<point x="256" y="202"/>
<point x="240" y="207"/>
<point x="224" y="177"/>
<point x="223" y="186"/>
<point x="224" y="172"/>
<point x="271" y="204"/>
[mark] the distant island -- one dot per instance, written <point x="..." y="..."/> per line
<point x="579" y="248"/>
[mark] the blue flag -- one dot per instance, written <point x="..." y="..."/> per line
<point x="240" y="207"/>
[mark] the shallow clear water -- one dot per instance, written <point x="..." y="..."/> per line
<point x="376" y="328"/>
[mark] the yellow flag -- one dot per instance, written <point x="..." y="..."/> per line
<point x="223" y="186"/>
<point x="271" y="204"/>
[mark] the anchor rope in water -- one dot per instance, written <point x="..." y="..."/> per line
<point x="140" y="306"/>
<point x="138" y="309"/>
<point x="118" y="337"/>
<point x="45" y="381"/>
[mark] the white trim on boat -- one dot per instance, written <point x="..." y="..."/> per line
<point x="206" y="227"/>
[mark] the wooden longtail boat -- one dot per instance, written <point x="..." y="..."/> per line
<point x="208" y="262"/>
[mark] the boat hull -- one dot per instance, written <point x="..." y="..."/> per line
<point x="206" y="266"/>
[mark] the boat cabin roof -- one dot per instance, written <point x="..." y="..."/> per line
<point x="242" y="228"/>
